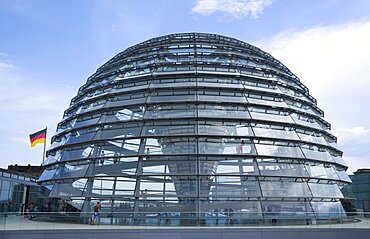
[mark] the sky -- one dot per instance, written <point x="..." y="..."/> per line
<point x="49" y="48"/>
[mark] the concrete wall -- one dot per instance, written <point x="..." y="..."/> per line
<point x="191" y="233"/>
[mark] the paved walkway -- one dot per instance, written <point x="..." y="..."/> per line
<point x="14" y="222"/>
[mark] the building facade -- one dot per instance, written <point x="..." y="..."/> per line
<point x="197" y="125"/>
<point x="361" y="190"/>
<point x="17" y="190"/>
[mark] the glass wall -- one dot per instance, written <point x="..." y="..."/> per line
<point x="16" y="191"/>
<point x="196" y="124"/>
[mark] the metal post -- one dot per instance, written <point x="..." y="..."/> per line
<point x="43" y="154"/>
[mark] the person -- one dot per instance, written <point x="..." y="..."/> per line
<point x="31" y="209"/>
<point x="96" y="213"/>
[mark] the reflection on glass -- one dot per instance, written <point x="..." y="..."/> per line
<point x="321" y="171"/>
<point x="284" y="189"/>
<point x="170" y="111"/>
<point x="325" y="190"/>
<point x="296" y="210"/>
<point x="328" y="209"/>
<point x="272" y="117"/>
<point x="225" y="146"/>
<point x="281" y="169"/>
<point x="69" y="170"/>
<point x="315" y="154"/>
<point x="223" y="111"/>
<point x="283" y="151"/>
<point x="231" y="186"/>
<point x="276" y="134"/>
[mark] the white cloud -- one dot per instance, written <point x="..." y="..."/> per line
<point x="355" y="163"/>
<point x="333" y="62"/>
<point x="20" y="94"/>
<point x="326" y="58"/>
<point x="5" y="61"/>
<point x="22" y="140"/>
<point x="26" y="105"/>
<point x="234" y="8"/>
<point x="357" y="131"/>
<point x="357" y="134"/>
<point x="6" y="65"/>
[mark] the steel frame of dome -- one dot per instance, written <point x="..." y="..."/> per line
<point x="197" y="124"/>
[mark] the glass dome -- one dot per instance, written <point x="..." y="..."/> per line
<point x="197" y="125"/>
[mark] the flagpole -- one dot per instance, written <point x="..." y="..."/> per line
<point x="43" y="154"/>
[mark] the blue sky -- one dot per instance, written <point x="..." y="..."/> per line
<point x="49" y="48"/>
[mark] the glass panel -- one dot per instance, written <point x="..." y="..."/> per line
<point x="225" y="146"/>
<point x="52" y="158"/>
<point x="61" y="140"/>
<point x="220" y="82"/>
<point x="114" y="167"/>
<point x="276" y="134"/>
<point x="170" y="145"/>
<point x="86" y="121"/>
<point x="172" y="167"/>
<point x="225" y="129"/>
<point x="47" y="174"/>
<point x="150" y="187"/>
<point x="313" y="139"/>
<point x="70" y="171"/>
<point x="122" y="101"/>
<point x="282" y="169"/>
<point x="92" y="106"/>
<point x="305" y="121"/>
<point x="80" y="137"/>
<point x="116" y="132"/>
<point x="169" y="130"/>
<point x="325" y="190"/>
<point x="318" y="155"/>
<point x="180" y="82"/>
<point x="284" y="189"/>
<point x="218" y="210"/>
<point x="125" y="186"/>
<point x="65" y="126"/>
<point x="283" y="151"/>
<point x="120" y="147"/>
<point x="229" y="186"/>
<point x="267" y="102"/>
<point x="207" y="167"/>
<point x="5" y="187"/>
<point x="154" y="169"/>
<point x="339" y="160"/>
<point x="84" y="152"/>
<point x="223" y="111"/>
<point x="328" y="209"/>
<point x="103" y="186"/>
<point x="152" y="146"/>
<point x="272" y="117"/>
<point x="239" y="167"/>
<point x="169" y="111"/>
<point x="221" y="98"/>
<point x="68" y="189"/>
<point x="319" y="171"/>
<point x="131" y="145"/>
<point x="343" y="175"/>
<point x="291" y="210"/>
<point x="124" y="114"/>
<point x="126" y="88"/>
<point x="175" y="96"/>
<point x="185" y="186"/>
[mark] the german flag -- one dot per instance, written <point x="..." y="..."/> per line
<point x="38" y="137"/>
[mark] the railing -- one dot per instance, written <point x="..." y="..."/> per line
<point x="67" y="220"/>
